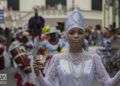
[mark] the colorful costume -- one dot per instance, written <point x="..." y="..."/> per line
<point x="23" y="64"/>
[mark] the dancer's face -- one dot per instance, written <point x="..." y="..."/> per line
<point x="76" y="37"/>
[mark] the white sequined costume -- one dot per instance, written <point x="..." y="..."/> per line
<point x="64" y="70"/>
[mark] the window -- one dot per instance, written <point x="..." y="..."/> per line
<point x="96" y="4"/>
<point x="54" y="3"/>
<point x="14" y="4"/>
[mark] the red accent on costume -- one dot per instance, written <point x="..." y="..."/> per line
<point x="2" y="63"/>
<point x="21" y="58"/>
<point x="1" y="50"/>
<point x="18" y="78"/>
<point x="41" y="51"/>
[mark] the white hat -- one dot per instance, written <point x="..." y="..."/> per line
<point x="75" y="19"/>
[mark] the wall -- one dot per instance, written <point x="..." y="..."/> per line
<point x="83" y="4"/>
<point x="69" y="4"/>
<point x="27" y="5"/>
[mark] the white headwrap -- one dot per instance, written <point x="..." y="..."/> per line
<point x="75" y="19"/>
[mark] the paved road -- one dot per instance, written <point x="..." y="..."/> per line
<point x="10" y="77"/>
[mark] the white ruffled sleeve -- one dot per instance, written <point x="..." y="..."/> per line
<point x="51" y="77"/>
<point x="101" y="74"/>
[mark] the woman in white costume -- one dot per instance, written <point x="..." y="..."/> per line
<point x="77" y="67"/>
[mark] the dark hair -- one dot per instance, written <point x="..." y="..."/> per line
<point x="35" y="25"/>
<point x="97" y="27"/>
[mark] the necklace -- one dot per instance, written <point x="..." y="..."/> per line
<point x="76" y="58"/>
<point x="77" y="72"/>
<point x="76" y="64"/>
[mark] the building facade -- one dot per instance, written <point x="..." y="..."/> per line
<point x="57" y="10"/>
<point x="111" y="12"/>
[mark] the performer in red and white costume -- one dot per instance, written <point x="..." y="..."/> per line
<point x="23" y="61"/>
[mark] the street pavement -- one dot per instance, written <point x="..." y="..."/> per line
<point x="10" y="77"/>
